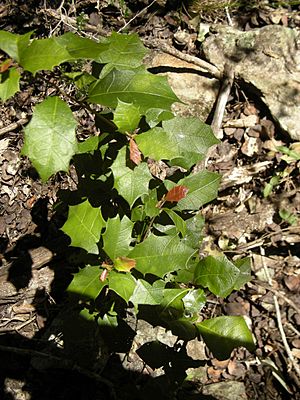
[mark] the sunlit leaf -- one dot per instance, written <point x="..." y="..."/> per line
<point x="144" y="293"/>
<point x="117" y="237"/>
<point x="9" y="83"/>
<point x="86" y="283"/>
<point x="194" y="301"/>
<point x="84" y="225"/>
<point x="180" y="224"/>
<point x="126" y="117"/>
<point x="159" y="255"/>
<point x="219" y="275"/>
<point x="223" y="334"/>
<point x="130" y="183"/>
<point x="122" y="284"/>
<point x="141" y="88"/>
<point x="13" y="44"/>
<point x="50" y="140"/>
<point x="244" y="266"/>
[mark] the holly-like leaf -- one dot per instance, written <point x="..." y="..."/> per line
<point x="180" y="223"/>
<point x="144" y="293"/>
<point x="223" y="334"/>
<point x="44" y="54"/>
<point x="140" y="88"/>
<point x="126" y="117"/>
<point x="159" y="255"/>
<point x="84" y="225"/>
<point x="176" y="193"/>
<point x="124" y="52"/>
<point x="219" y="275"/>
<point x="134" y="153"/>
<point x="244" y="266"/>
<point x="124" y="264"/>
<point x="183" y="141"/>
<point x="50" y="139"/>
<point x="155" y="115"/>
<point x="117" y="237"/>
<point x="9" y="83"/>
<point x="86" y="283"/>
<point x="13" y="44"/>
<point x="130" y="183"/>
<point x="122" y="284"/>
<point x="203" y="188"/>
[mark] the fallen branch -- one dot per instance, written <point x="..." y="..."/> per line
<point x="13" y="126"/>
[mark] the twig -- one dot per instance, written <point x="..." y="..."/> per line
<point x="62" y="363"/>
<point x="136" y="16"/>
<point x="279" y="320"/>
<point x="206" y="66"/>
<point x="13" y="126"/>
<point x="222" y="100"/>
<point x="16" y="328"/>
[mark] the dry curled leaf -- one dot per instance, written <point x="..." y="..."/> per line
<point x="135" y="154"/>
<point x="5" y="65"/>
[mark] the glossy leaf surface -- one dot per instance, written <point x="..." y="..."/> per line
<point x="117" y="237"/>
<point x="86" y="282"/>
<point x="223" y="334"/>
<point x="50" y="140"/>
<point x="9" y="83"/>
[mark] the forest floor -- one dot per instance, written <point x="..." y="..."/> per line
<point x="244" y="219"/>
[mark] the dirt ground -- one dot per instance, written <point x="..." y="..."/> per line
<point x="36" y="265"/>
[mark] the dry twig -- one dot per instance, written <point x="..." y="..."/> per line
<point x="13" y="126"/>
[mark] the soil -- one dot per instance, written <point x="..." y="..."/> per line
<point x="36" y="265"/>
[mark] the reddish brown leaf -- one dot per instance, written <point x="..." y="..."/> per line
<point x="176" y="193"/>
<point x="135" y="154"/>
<point x="5" y="65"/>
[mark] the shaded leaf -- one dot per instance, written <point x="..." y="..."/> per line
<point x="117" y="237"/>
<point x="86" y="282"/>
<point x="180" y="224"/>
<point x="203" y="188"/>
<point x="130" y="183"/>
<point x="126" y="117"/>
<point x="9" y="83"/>
<point x="219" y="275"/>
<point x="223" y="334"/>
<point x="84" y="225"/>
<point x="159" y="255"/>
<point x="141" y="88"/>
<point x="134" y="153"/>
<point x="124" y="264"/>
<point x="122" y="284"/>
<point x="50" y="140"/>
<point x="176" y="193"/>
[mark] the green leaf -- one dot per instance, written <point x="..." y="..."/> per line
<point x="44" y="54"/>
<point x="171" y="305"/>
<point x="141" y="88"/>
<point x="180" y="224"/>
<point x="150" y="202"/>
<point x="130" y="183"/>
<point x="244" y="265"/>
<point x="86" y="282"/>
<point x="122" y="284"/>
<point x="13" y="44"/>
<point x="117" y="237"/>
<point x="219" y="275"/>
<point x="223" y="334"/>
<point x="183" y="140"/>
<point x="159" y="255"/>
<point x="126" y="117"/>
<point x="194" y="301"/>
<point x="194" y="228"/>
<point x="144" y="293"/>
<point x="84" y="225"/>
<point x="155" y="115"/>
<point x="124" y="52"/>
<point x="50" y="140"/>
<point x="82" y="48"/>
<point x="9" y="83"/>
<point x="203" y="188"/>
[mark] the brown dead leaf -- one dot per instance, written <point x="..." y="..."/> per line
<point x="135" y="154"/>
